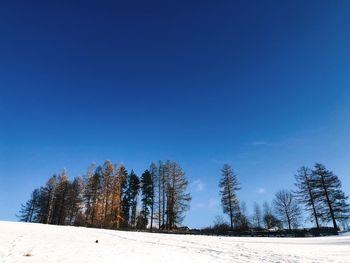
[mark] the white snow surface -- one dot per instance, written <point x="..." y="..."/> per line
<point x="47" y="243"/>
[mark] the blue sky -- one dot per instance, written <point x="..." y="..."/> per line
<point x="262" y="85"/>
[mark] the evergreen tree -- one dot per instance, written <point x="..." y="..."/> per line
<point x="106" y="192"/>
<point x="134" y="187"/>
<point x="95" y="186"/>
<point x="59" y="211"/>
<point x="178" y="198"/>
<point x="330" y="196"/>
<point x="153" y="171"/>
<point x="74" y="200"/>
<point x="287" y="208"/>
<point x="228" y="187"/>
<point x="147" y="197"/>
<point x="29" y="210"/>
<point x="46" y="201"/>
<point x="305" y="182"/>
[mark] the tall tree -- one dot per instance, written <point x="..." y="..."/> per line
<point x="153" y="171"/>
<point x="60" y="200"/>
<point x="306" y="194"/>
<point x="178" y="198"/>
<point x="29" y="210"/>
<point x="287" y="208"/>
<point x="46" y="200"/>
<point x="134" y="187"/>
<point x="330" y="195"/>
<point x="257" y="215"/>
<point x="106" y="192"/>
<point x="147" y="197"/>
<point x="74" y="199"/>
<point x="228" y="187"/>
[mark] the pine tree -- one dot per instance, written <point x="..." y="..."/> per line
<point x="306" y="192"/>
<point x="46" y="201"/>
<point x="88" y="193"/>
<point x="29" y="210"/>
<point x="95" y="186"/>
<point x="134" y="187"/>
<point x="228" y="187"/>
<point x="330" y="196"/>
<point x="153" y="171"/>
<point x="147" y="197"/>
<point x="74" y="200"/>
<point x="178" y="198"/>
<point x="106" y="192"/>
<point x="59" y="211"/>
<point x="119" y="194"/>
<point x="287" y="208"/>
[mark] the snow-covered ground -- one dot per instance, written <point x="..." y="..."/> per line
<point x="46" y="243"/>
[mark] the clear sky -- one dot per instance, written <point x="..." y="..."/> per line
<point x="262" y="85"/>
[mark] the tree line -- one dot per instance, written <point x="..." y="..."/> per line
<point x="108" y="195"/>
<point x="318" y="190"/>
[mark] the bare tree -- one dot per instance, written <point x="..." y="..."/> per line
<point x="287" y="208"/>
<point x="257" y="215"/>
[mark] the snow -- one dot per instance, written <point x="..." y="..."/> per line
<point x="47" y="243"/>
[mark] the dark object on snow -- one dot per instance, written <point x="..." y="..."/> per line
<point x="96" y="241"/>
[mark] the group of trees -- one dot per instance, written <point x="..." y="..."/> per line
<point x="318" y="190"/>
<point x="108" y="197"/>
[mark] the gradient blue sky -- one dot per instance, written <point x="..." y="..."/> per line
<point x="263" y="85"/>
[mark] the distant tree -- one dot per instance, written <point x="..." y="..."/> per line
<point x="146" y="197"/>
<point x="95" y="187"/>
<point x="59" y="211"/>
<point x="119" y="195"/>
<point x="287" y="208"/>
<point x="228" y="187"/>
<point x="28" y="211"/>
<point x="269" y="219"/>
<point x="330" y="195"/>
<point x="241" y="220"/>
<point x="306" y="194"/>
<point x="257" y="216"/>
<point x="106" y="192"/>
<point x="88" y="193"/>
<point x="134" y="187"/>
<point x="178" y="198"/>
<point x="153" y="171"/>
<point x="46" y="201"/>
<point x="75" y="199"/>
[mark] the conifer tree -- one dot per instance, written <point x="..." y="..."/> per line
<point x="74" y="199"/>
<point x="146" y="198"/>
<point x="228" y="187"/>
<point x="29" y="210"/>
<point x="330" y="196"/>
<point x="59" y="212"/>
<point x="153" y="171"/>
<point x="106" y="192"/>
<point x="134" y="187"/>
<point x="178" y="198"/>
<point x="306" y="194"/>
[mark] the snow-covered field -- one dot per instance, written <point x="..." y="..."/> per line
<point x="46" y="243"/>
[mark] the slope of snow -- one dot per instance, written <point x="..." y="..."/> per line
<point x="46" y="243"/>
